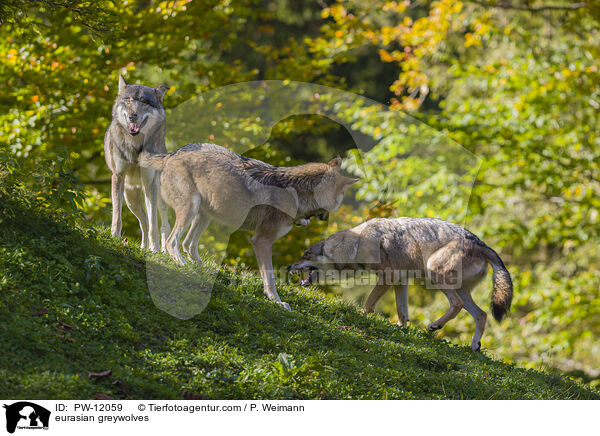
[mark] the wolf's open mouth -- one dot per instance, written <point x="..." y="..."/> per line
<point x="310" y="277"/>
<point x="134" y="128"/>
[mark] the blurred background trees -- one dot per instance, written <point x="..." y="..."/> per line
<point x="510" y="89"/>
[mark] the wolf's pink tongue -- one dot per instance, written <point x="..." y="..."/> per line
<point x="310" y="278"/>
<point x="134" y="127"/>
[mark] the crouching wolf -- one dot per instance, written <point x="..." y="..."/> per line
<point x="138" y="123"/>
<point x="447" y="256"/>
<point x="206" y="181"/>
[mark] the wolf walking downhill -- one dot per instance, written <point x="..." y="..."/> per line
<point x="453" y="259"/>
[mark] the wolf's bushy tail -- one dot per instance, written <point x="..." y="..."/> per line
<point x="151" y="160"/>
<point x="503" y="287"/>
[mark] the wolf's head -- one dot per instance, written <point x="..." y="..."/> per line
<point x="347" y="249"/>
<point x="312" y="261"/>
<point x="139" y="108"/>
<point x="333" y="185"/>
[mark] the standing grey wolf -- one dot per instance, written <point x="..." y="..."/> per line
<point x="450" y="257"/>
<point x="138" y="124"/>
<point x="206" y="181"/>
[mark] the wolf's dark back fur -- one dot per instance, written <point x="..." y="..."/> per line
<point x="305" y="176"/>
<point x="302" y="177"/>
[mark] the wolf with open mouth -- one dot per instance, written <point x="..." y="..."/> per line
<point x="138" y="124"/>
<point x="453" y="259"/>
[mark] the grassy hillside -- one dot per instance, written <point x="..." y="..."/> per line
<point x="73" y="302"/>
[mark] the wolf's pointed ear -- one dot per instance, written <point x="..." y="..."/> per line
<point x="336" y="162"/>
<point x="161" y="91"/>
<point x="122" y="83"/>
<point x="351" y="180"/>
<point x="347" y="181"/>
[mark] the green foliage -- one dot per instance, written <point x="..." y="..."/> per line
<point x="47" y="185"/>
<point x="73" y="301"/>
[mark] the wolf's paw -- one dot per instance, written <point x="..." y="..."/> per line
<point x="434" y="327"/>
<point x="178" y="258"/>
<point x="285" y="306"/>
<point x="198" y="261"/>
<point x="195" y="257"/>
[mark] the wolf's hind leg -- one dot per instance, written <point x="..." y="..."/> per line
<point x="446" y="272"/>
<point x="190" y="243"/>
<point x="134" y="197"/>
<point x="380" y="288"/>
<point x="478" y="315"/>
<point x="456" y="304"/>
<point x="401" y="291"/>
<point x="184" y="215"/>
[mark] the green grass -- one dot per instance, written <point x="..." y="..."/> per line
<point x="99" y="316"/>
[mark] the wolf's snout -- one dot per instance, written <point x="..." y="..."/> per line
<point x="134" y="126"/>
<point x="293" y="267"/>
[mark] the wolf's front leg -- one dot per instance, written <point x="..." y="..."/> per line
<point x="380" y="288"/>
<point x="117" y="186"/>
<point x="134" y="197"/>
<point x="263" y="248"/>
<point x="150" y="184"/>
